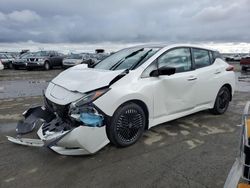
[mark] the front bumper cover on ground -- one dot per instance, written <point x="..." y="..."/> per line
<point x="59" y="135"/>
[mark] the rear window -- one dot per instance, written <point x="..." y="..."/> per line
<point x="201" y="58"/>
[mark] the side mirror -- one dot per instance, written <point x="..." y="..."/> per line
<point x="51" y="55"/>
<point x="163" y="71"/>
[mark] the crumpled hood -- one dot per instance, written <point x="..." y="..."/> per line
<point x="82" y="79"/>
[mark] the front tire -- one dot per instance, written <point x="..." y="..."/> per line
<point x="10" y="65"/>
<point x="46" y="65"/>
<point x="127" y="125"/>
<point x="222" y="101"/>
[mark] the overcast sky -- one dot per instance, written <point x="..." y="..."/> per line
<point x="124" y="21"/>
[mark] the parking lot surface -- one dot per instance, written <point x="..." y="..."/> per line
<point x="194" y="151"/>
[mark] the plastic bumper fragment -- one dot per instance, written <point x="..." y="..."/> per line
<point x="34" y="117"/>
<point x="61" y="135"/>
<point x="48" y="141"/>
<point x="26" y="141"/>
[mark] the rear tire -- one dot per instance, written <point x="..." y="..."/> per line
<point x="127" y="125"/>
<point x="243" y="68"/>
<point x="222" y="101"/>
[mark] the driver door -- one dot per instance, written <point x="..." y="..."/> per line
<point x="175" y="93"/>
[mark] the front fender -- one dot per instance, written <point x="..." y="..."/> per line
<point x="109" y="102"/>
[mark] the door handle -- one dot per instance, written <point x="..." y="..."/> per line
<point x="191" y="78"/>
<point x="218" y="71"/>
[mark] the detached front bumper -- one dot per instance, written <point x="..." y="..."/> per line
<point x="59" y="135"/>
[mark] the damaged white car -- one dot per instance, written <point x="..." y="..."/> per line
<point x="125" y="94"/>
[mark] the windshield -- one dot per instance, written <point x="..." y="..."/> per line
<point x="25" y="55"/>
<point x="75" y="56"/>
<point x="129" y="58"/>
<point x="41" y="53"/>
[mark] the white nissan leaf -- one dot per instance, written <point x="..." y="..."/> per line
<point x="125" y="94"/>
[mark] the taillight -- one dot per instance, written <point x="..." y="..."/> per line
<point x="230" y="68"/>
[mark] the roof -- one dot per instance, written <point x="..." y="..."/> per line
<point x="164" y="45"/>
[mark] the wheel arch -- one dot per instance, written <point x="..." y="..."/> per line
<point x="47" y="61"/>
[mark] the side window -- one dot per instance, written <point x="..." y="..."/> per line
<point x="179" y="58"/>
<point x="201" y="58"/>
<point x="212" y="58"/>
<point x="52" y="54"/>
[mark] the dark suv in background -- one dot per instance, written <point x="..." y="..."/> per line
<point x="44" y="59"/>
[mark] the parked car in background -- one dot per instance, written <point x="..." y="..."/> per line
<point x="6" y="60"/>
<point x="21" y="61"/>
<point x="73" y="59"/>
<point x="125" y="94"/>
<point x="233" y="57"/>
<point x="1" y="65"/>
<point x="245" y="63"/>
<point x="228" y="57"/>
<point x="44" y="59"/>
<point x="236" y="57"/>
<point x="101" y="56"/>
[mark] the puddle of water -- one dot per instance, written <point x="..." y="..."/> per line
<point x="152" y="138"/>
<point x="243" y="81"/>
<point x="22" y="88"/>
<point x="194" y="143"/>
<point x="7" y="127"/>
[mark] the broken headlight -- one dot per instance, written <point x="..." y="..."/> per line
<point x="84" y="111"/>
<point x="89" y="97"/>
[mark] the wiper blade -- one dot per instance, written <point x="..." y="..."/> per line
<point x="141" y="58"/>
<point x="122" y="60"/>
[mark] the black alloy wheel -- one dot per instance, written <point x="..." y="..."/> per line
<point x="127" y="125"/>
<point x="222" y="101"/>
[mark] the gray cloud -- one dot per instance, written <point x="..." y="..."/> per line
<point x="94" y="21"/>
